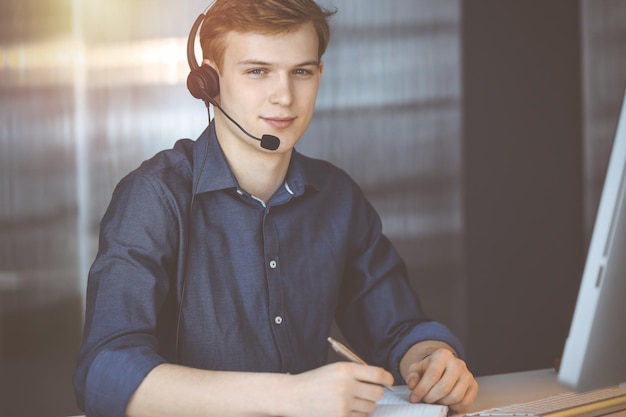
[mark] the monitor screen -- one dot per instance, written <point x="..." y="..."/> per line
<point x="595" y="350"/>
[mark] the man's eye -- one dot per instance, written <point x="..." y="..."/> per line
<point x="256" y="71"/>
<point x="302" y="71"/>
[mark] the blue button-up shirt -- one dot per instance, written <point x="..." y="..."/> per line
<point x="262" y="282"/>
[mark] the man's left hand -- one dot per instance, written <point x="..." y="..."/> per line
<point x="439" y="376"/>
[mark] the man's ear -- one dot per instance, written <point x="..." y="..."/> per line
<point x="321" y="67"/>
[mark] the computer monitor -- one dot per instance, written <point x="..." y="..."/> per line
<point x="595" y="350"/>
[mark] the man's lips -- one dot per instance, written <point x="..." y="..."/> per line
<point x="279" y="122"/>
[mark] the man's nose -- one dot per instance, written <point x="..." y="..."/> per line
<point x="282" y="92"/>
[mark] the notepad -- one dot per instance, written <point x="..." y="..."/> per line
<point x="397" y="404"/>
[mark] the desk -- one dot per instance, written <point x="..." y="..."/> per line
<point x="518" y="387"/>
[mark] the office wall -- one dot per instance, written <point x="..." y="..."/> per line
<point x="90" y="89"/>
<point x="522" y="179"/>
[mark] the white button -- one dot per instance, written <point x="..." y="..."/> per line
<point x="273" y="264"/>
<point x="278" y="319"/>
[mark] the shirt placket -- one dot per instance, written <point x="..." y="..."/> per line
<point x="277" y="314"/>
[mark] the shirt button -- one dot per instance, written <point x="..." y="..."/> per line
<point x="278" y="319"/>
<point x="273" y="264"/>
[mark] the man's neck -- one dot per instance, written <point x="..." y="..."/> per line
<point x="261" y="181"/>
<point x="257" y="172"/>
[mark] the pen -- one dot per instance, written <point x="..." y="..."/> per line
<point x="342" y="349"/>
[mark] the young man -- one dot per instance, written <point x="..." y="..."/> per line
<point x="221" y="304"/>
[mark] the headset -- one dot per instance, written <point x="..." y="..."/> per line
<point x="203" y="83"/>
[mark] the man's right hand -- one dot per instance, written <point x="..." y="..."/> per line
<point x="339" y="389"/>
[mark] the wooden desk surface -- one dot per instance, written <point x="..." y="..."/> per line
<point x="504" y="389"/>
<point x="518" y="387"/>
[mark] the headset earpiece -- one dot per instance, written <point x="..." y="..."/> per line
<point x="203" y="81"/>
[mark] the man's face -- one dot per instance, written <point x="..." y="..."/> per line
<point x="269" y="84"/>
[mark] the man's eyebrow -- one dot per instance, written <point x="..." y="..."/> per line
<point x="256" y="62"/>
<point x="313" y="62"/>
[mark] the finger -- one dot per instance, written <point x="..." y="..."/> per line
<point x="467" y="400"/>
<point x="358" y="414"/>
<point x="462" y="393"/>
<point x="439" y="390"/>
<point x="412" y="379"/>
<point x="369" y="392"/>
<point x="414" y="376"/>
<point x="373" y="375"/>
<point x="428" y="379"/>
<point x="363" y="407"/>
<point x="453" y="395"/>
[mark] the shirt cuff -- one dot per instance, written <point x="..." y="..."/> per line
<point x="113" y="378"/>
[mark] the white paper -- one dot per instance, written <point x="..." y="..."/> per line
<point x="397" y="404"/>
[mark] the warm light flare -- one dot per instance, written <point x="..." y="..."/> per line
<point x="155" y="61"/>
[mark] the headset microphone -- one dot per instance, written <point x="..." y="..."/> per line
<point x="203" y="83"/>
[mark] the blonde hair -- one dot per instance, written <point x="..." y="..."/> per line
<point x="267" y="17"/>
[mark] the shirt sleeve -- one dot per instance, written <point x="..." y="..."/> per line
<point x="429" y="330"/>
<point x="379" y="313"/>
<point x="127" y="287"/>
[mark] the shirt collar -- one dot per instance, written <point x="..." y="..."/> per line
<point x="212" y="173"/>
<point x="303" y="172"/>
<point x="210" y="169"/>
